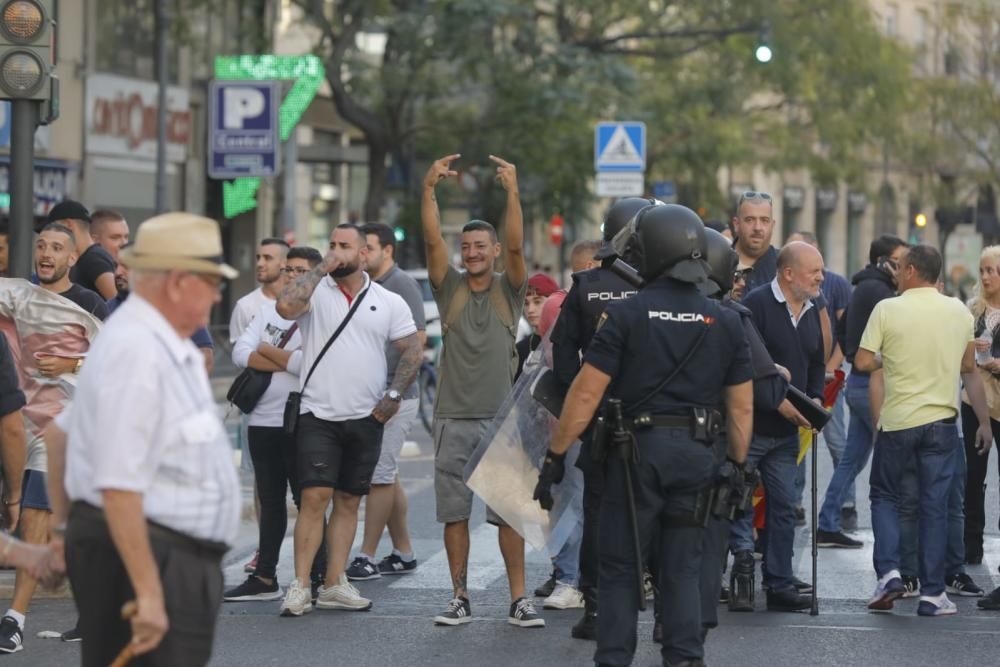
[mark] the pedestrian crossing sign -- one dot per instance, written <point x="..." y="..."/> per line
<point x="620" y="146"/>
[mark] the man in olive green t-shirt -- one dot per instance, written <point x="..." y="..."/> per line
<point x="925" y="340"/>
<point x="479" y="313"/>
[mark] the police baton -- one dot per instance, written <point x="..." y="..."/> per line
<point x="623" y="442"/>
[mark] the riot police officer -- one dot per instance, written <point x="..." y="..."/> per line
<point x="668" y="357"/>
<point x="588" y="296"/>
<point x="769" y="388"/>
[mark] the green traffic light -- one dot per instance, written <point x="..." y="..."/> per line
<point x="400" y="234"/>
<point x="763" y="53"/>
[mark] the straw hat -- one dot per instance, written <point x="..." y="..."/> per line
<point x="178" y="241"/>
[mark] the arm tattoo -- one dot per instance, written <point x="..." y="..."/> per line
<point x="294" y="298"/>
<point x="409" y="363"/>
<point x="459" y="582"/>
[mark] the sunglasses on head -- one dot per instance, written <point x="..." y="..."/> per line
<point x="752" y="194"/>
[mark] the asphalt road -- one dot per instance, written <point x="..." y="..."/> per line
<point x="399" y="629"/>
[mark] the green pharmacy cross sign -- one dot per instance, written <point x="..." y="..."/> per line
<point x="240" y="195"/>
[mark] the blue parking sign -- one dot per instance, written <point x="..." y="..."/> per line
<point x="243" y="129"/>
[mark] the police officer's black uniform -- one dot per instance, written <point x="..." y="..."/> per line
<point x="589" y="295"/>
<point x="640" y="343"/>
<point x="769" y="389"/>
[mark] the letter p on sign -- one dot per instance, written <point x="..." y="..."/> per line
<point x="241" y="104"/>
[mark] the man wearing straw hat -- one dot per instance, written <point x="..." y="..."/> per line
<point x="149" y="485"/>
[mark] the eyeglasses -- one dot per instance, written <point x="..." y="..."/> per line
<point x="751" y="194"/>
<point x="740" y="275"/>
<point x="297" y="270"/>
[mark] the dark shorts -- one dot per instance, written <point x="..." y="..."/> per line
<point x="34" y="495"/>
<point x="341" y="455"/>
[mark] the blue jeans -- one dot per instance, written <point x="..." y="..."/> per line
<point x="775" y="459"/>
<point x="567" y="561"/>
<point x="855" y="456"/>
<point x="909" y="505"/>
<point x="935" y="447"/>
<point x="835" y="435"/>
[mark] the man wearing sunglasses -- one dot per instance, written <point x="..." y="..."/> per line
<point x="753" y="226"/>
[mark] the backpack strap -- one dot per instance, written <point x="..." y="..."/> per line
<point x="458" y="302"/>
<point x="501" y="306"/>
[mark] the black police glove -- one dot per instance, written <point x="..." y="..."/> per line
<point x="553" y="469"/>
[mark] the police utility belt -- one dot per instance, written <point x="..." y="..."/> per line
<point x="704" y="424"/>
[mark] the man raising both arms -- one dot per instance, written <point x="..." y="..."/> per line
<point x="480" y="310"/>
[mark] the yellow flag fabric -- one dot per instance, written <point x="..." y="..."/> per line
<point x="805" y="442"/>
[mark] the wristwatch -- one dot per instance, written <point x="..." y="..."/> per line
<point x="394" y="395"/>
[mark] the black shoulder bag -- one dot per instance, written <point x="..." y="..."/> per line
<point x="294" y="402"/>
<point x="251" y="384"/>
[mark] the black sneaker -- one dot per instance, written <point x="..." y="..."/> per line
<point x="848" y="519"/>
<point x="800" y="516"/>
<point x="912" y="586"/>
<point x="545" y="590"/>
<point x="826" y="539"/>
<point x="522" y="613"/>
<point x="991" y="601"/>
<point x="362" y="569"/>
<point x="11" y="637"/>
<point x="962" y="585"/>
<point x="71" y="635"/>
<point x="801" y="586"/>
<point x="787" y="600"/>
<point x="459" y="611"/>
<point x="393" y="564"/>
<point x="253" y="589"/>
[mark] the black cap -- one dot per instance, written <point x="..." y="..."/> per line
<point x="68" y="209"/>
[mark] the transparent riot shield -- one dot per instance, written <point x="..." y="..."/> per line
<point x="504" y="468"/>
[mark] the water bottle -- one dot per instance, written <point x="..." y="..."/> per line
<point x="984" y="356"/>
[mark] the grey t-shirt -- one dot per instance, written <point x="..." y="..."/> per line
<point x="478" y="359"/>
<point x="402" y="283"/>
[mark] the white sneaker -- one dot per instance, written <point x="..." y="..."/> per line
<point x="342" y="596"/>
<point x="564" y="597"/>
<point x="298" y="600"/>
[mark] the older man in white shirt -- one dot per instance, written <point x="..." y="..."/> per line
<point x="151" y="493"/>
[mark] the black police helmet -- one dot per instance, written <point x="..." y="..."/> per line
<point x="722" y="262"/>
<point x="619" y="215"/>
<point x="665" y="240"/>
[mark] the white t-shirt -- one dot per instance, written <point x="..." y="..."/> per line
<point x="143" y="419"/>
<point x="269" y="327"/>
<point x="244" y="312"/>
<point x="350" y="379"/>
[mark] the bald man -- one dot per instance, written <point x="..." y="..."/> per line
<point x="788" y="320"/>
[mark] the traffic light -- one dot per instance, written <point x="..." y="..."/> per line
<point x="400" y="234"/>
<point x="762" y="50"/>
<point x="27" y="41"/>
<point x="920" y="220"/>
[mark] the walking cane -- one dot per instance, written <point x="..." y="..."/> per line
<point x="814" y="611"/>
<point x="125" y="656"/>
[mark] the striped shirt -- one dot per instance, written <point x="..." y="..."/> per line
<point x="143" y="419"/>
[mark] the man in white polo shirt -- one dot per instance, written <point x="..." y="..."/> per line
<point x="344" y="405"/>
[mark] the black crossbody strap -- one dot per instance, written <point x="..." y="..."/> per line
<point x="677" y="369"/>
<point x="343" y="323"/>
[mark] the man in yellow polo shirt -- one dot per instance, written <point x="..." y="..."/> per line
<point x="925" y="340"/>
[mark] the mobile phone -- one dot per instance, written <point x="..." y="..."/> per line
<point x="887" y="265"/>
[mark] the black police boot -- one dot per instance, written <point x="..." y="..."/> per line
<point x="693" y="662"/>
<point x="586" y="627"/>
<point x="741" y="582"/>
<point x="788" y="600"/>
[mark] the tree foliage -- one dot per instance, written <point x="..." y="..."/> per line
<point x="528" y="79"/>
